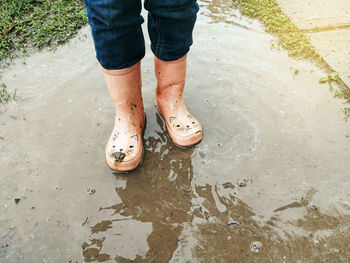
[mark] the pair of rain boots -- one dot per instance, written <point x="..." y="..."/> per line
<point x="124" y="150"/>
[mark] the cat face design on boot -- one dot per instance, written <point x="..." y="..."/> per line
<point x="120" y="151"/>
<point x="189" y="126"/>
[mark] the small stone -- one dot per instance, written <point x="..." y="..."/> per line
<point x="229" y="238"/>
<point x="316" y="242"/>
<point x="168" y="218"/>
<point x="187" y="190"/>
<point x="256" y="246"/>
<point x="233" y="223"/>
<point x="91" y="191"/>
<point x="242" y="184"/>
<point x="312" y="206"/>
<point x="203" y="210"/>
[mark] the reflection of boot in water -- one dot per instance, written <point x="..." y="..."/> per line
<point x="158" y="192"/>
<point x="182" y="127"/>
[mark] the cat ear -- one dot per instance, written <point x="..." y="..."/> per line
<point x="135" y="137"/>
<point x="171" y="119"/>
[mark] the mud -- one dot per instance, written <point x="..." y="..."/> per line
<point x="268" y="183"/>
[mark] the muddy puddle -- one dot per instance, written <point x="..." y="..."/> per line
<point x="268" y="183"/>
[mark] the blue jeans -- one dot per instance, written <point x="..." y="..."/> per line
<point x="117" y="33"/>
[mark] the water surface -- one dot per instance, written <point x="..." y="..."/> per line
<point x="268" y="183"/>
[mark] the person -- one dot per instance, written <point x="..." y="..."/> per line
<point x="120" y="47"/>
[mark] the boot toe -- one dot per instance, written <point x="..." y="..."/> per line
<point x="123" y="163"/>
<point x="124" y="153"/>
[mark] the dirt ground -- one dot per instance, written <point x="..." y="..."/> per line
<point x="268" y="183"/>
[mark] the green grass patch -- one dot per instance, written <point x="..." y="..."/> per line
<point x="5" y="95"/>
<point x="293" y="40"/>
<point x="278" y="24"/>
<point x="33" y="24"/>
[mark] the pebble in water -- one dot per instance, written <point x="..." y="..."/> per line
<point x="91" y="191"/>
<point x="181" y="240"/>
<point x="313" y="207"/>
<point x="256" y="246"/>
<point x="233" y="223"/>
<point x="242" y="184"/>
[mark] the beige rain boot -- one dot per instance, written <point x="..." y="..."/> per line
<point x="182" y="127"/>
<point x="124" y="149"/>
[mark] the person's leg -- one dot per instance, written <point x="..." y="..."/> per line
<point x="119" y="44"/>
<point x="116" y="30"/>
<point x="170" y="26"/>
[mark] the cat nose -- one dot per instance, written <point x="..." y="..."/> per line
<point x="120" y="150"/>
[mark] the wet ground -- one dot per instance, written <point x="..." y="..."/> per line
<point x="268" y="183"/>
<point x="327" y="23"/>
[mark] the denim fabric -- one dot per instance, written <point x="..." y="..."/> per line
<point x="117" y="33"/>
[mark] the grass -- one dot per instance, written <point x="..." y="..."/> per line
<point x="27" y="25"/>
<point x="5" y="95"/>
<point x="30" y="25"/>
<point x="278" y="24"/>
<point x="293" y="40"/>
<point x="347" y="113"/>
